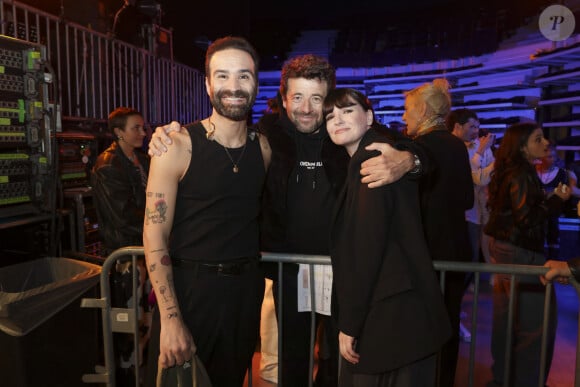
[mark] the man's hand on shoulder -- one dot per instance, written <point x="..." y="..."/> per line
<point x="160" y="138"/>
<point x="387" y="167"/>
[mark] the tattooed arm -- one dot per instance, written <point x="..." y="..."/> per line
<point x="176" y="343"/>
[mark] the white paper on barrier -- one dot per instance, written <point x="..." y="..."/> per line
<point x="322" y="288"/>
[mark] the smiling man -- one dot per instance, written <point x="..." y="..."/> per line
<point x="205" y="192"/>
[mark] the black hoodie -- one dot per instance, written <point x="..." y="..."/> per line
<point x="305" y="176"/>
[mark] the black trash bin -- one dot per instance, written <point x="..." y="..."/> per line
<point x="46" y="339"/>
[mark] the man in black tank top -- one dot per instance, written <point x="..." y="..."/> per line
<point x="201" y="229"/>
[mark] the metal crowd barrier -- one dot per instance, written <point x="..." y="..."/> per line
<point x="126" y="320"/>
<point x="123" y="320"/>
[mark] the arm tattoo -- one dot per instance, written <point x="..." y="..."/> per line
<point x="166" y="295"/>
<point x="157" y="215"/>
<point x="165" y="260"/>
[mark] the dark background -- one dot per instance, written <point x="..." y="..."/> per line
<point x="272" y="26"/>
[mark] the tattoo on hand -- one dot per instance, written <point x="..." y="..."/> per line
<point x="165" y="260"/>
<point x="152" y="267"/>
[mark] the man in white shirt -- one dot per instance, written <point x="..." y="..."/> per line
<point x="464" y="124"/>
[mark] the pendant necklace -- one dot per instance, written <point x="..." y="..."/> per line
<point x="210" y="136"/>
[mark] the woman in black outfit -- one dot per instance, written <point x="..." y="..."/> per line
<point x="387" y="302"/>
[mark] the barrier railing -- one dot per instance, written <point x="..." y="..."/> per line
<point x="125" y="319"/>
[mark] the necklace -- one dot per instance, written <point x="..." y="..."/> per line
<point x="210" y="136"/>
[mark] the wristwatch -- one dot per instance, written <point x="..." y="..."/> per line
<point x="417" y="162"/>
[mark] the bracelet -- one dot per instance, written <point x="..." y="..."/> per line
<point x="417" y="163"/>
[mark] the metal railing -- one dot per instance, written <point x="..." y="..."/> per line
<point x="97" y="73"/>
<point x="125" y="320"/>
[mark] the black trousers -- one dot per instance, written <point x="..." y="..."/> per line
<point x="223" y="316"/>
<point x="295" y="334"/>
<point x="417" y="374"/>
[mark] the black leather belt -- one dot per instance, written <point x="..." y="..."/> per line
<point x="224" y="269"/>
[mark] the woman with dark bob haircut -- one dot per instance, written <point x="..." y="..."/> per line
<point x="386" y="300"/>
<point x="518" y="209"/>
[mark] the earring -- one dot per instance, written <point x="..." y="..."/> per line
<point x="120" y="138"/>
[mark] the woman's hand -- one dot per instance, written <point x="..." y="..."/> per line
<point x="559" y="270"/>
<point x="346" y="344"/>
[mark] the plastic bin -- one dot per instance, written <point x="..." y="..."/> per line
<point x="46" y="338"/>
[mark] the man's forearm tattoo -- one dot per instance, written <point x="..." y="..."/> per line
<point x="166" y="295"/>
<point x="165" y="260"/>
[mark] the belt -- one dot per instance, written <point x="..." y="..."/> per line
<point x="222" y="269"/>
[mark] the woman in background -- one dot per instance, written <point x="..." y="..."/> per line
<point x="518" y="211"/>
<point x="386" y="299"/>
<point x="446" y="192"/>
<point x="119" y="179"/>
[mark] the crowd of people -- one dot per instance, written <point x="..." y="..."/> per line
<point x="319" y="175"/>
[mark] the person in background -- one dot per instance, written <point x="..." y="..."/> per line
<point x="446" y="192"/>
<point x="201" y="234"/>
<point x="464" y="124"/>
<point x="119" y="178"/>
<point x="518" y="211"/>
<point x="306" y="174"/>
<point x="551" y="175"/>
<point x="385" y="289"/>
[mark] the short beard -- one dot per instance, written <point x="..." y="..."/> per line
<point x="237" y="112"/>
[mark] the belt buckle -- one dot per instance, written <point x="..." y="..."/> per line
<point x="229" y="270"/>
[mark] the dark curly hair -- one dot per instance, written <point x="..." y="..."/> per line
<point x="309" y="67"/>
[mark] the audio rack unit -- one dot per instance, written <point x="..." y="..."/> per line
<point x="25" y="142"/>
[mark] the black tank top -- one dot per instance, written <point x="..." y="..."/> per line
<point x="216" y="212"/>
